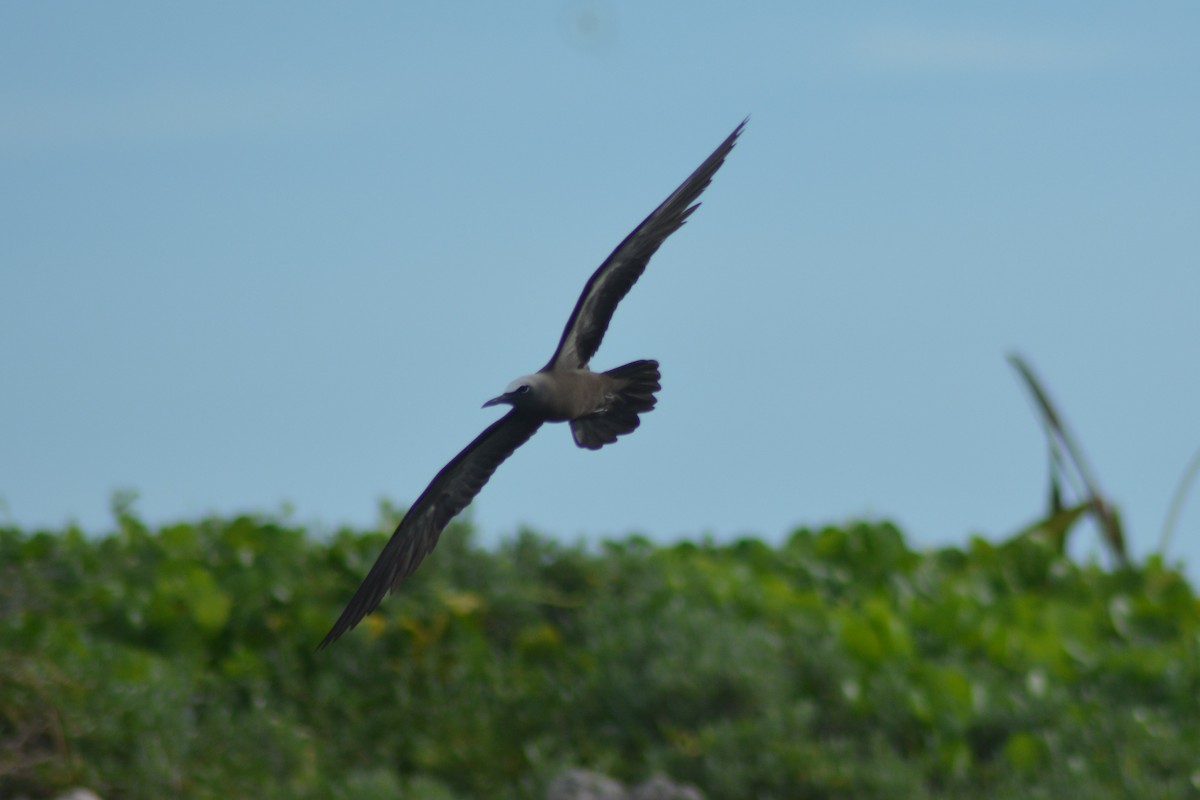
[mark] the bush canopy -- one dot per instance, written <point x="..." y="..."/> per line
<point x="180" y="662"/>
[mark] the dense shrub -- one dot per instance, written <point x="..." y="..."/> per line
<point x="180" y="662"/>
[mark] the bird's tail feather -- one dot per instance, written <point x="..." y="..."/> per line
<point x="635" y="385"/>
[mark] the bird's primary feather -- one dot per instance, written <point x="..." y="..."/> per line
<point x="616" y="276"/>
<point x="418" y="532"/>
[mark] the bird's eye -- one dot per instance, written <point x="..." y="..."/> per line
<point x="522" y="389"/>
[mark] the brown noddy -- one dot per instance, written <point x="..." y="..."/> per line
<point x="600" y="406"/>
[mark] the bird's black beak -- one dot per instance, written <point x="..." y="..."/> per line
<point x="495" y="401"/>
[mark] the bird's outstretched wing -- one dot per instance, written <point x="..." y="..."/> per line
<point x="616" y="276"/>
<point x="449" y="493"/>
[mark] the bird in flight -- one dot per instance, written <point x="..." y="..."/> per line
<point x="600" y="406"/>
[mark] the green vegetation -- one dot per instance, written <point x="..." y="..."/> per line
<point x="180" y="662"/>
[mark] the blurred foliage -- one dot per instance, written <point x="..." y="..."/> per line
<point x="1070" y="471"/>
<point x="180" y="662"/>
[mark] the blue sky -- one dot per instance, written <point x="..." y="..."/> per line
<point x="277" y="253"/>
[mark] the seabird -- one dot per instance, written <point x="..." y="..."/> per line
<point x="600" y="406"/>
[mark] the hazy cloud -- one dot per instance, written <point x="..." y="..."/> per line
<point x="170" y="114"/>
<point x="961" y="50"/>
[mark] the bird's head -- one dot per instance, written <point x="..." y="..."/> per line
<point x="526" y="392"/>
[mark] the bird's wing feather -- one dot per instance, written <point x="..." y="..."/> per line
<point x="418" y="532"/>
<point x="616" y="276"/>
